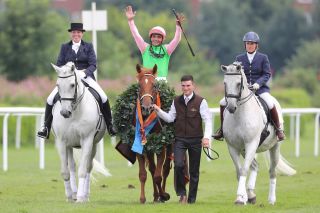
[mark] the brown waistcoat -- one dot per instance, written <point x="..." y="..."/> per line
<point x="188" y="121"/>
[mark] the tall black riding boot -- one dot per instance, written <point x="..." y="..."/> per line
<point x="219" y="134"/>
<point x="275" y="119"/>
<point x="44" y="132"/>
<point x="106" y="111"/>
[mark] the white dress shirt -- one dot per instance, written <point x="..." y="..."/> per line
<point x="76" y="46"/>
<point x="204" y="112"/>
<point x="251" y="56"/>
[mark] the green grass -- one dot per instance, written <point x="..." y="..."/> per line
<point x="25" y="188"/>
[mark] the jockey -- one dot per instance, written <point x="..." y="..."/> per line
<point x="84" y="57"/>
<point x="257" y="70"/>
<point x="156" y="52"/>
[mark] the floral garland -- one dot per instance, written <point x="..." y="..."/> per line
<point x="124" y="113"/>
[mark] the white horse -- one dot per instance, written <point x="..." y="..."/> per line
<point x="77" y="122"/>
<point x="244" y="121"/>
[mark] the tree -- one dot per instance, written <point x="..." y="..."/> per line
<point x="30" y="33"/>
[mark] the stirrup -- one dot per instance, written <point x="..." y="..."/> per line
<point x="111" y="131"/>
<point x="218" y="135"/>
<point x="43" y="133"/>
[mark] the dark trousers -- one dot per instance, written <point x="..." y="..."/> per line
<point x="193" y="145"/>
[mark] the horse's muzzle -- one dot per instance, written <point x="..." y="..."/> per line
<point x="231" y="109"/>
<point x="65" y="113"/>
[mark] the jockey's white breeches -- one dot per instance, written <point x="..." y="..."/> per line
<point x="92" y="83"/>
<point x="265" y="96"/>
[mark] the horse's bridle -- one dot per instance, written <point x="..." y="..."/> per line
<point x="74" y="100"/>
<point x="237" y="96"/>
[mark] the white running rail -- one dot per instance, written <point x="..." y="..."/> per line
<point x="294" y="113"/>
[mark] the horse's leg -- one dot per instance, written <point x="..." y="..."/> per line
<point x="166" y="168"/>
<point x="72" y="167"/>
<point x="89" y="169"/>
<point x="252" y="181"/>
<point x="142" y="177"/>
<point x="152" y="170"/>
<point x="274" y="159"/>
<point x="250" y="152"/>
<point x="235" y="156"/>
<point x="65" y="173"/>
<point x="158" y="176"/>
<point x="86" y="146"/>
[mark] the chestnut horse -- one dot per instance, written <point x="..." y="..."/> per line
<point x="148" y="95"/>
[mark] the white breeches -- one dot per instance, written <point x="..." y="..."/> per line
<point x="92" y="83"/>
<point x="265" y="96"/>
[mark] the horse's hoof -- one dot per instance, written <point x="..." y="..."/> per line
<point x="70" y="200"/>
<point x="272" y="202"/>
<point x="165" y="196"/>
<point x="142" y="201"/>
<point x="252" y="200"/>
<point x="82" y="199"/>
<point x="74" y="196"/>
<point x="239" y="203"/>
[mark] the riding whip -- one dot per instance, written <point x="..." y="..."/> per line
<point x="190" y="48"/>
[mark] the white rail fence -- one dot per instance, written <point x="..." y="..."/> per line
<point x="19" y="112"/>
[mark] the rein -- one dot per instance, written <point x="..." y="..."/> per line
<point x="148" y="120"/>
<point x="207" y="150"/>
<point x="240" y="100"/>
<point x="74" y="101"/>
<point x="151" y="117"/>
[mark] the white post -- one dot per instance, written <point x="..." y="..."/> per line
<point x="94" y="32"/>
<point x="39" y="121"/>
<point x="41" y="153"/>
<point x="316" y="135"/>
<point x="291" y="126"/>
<point x="18" y="132"/>
<point x="5" y="142"/>
<point x="298" y="135"/>
<point x="210" y="141"/>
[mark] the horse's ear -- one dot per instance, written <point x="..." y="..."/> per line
<point x="155" y="68"/>
<point x="224" y="68"/>
<point x="56" y="68"/>
<point x="138" y="68"/>
<point x="73" y="68"/>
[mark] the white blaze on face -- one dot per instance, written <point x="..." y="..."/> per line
<point x="146" y="80"/>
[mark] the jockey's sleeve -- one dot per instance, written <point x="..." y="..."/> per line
<point x="206" y="118"/>
<point x="92" y="61"/>
<point x="266" y="72"/>
<point x="142" y="45"/>
<point x="168" y="116"/>
<point x="175" y="41"/>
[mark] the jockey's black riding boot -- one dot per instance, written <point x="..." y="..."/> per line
<point x="106" y="111"/>
<point x="219" y="134"/>
<point x="275" y="119"/>
<point x="44" y="132"/>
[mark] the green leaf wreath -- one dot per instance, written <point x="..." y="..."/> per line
<point x="124" y="113"/>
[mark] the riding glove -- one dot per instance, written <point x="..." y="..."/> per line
<point x="255" y="86"/>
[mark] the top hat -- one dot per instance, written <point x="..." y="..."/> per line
<point x="76" y="26"/>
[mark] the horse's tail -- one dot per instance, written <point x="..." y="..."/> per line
<point x="98" y="168"/>
<point x="283" y="166"/>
